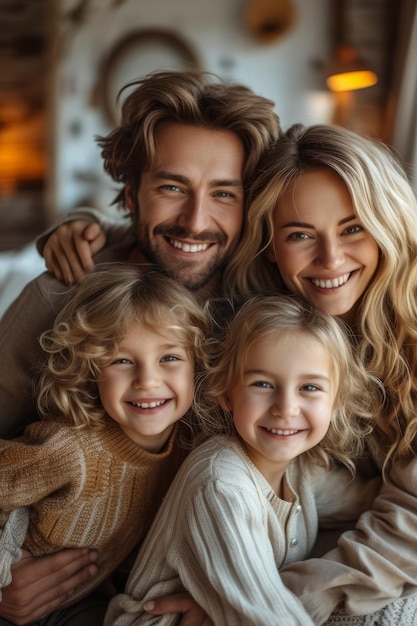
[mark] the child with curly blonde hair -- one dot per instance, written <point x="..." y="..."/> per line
<point x="117" y="397"/>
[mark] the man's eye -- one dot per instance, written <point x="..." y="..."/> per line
<point x="171" y="187"/>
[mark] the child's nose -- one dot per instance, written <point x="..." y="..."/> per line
<point x="146" y="377"/>
<point x="285" y="405"/>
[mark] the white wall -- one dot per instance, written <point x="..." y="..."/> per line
<point x="282" y="71"/>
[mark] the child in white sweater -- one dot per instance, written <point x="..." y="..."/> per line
<point x="293" y="407"/>
<point x="117" y="397"/>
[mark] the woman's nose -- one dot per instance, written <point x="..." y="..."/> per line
<point x="330" y="254"/>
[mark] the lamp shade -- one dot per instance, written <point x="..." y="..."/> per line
<point x="268" y="20"/>
<point x="349" y="72"/>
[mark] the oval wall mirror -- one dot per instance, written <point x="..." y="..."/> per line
<point x="137" y="55"/>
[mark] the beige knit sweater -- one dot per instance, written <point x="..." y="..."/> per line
<point x="84" y="488"/>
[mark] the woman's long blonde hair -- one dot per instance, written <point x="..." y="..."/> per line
<point x="385" y="203"/>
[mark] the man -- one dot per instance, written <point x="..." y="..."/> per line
<point x="184" y="153"/>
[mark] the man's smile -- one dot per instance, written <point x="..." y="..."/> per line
<point x="188" y="247"/>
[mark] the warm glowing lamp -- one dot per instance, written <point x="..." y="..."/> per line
<point x="349" y="72"/>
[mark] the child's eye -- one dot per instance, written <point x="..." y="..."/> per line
<point x="310" y="387"/>
<point x="169" y="358"/>
<point x="121" y="361"/>
<point x="263" y="384"/>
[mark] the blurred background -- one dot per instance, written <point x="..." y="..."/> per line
<point x="62" y="63"/>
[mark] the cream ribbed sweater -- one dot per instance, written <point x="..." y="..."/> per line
<point x="85" y="488"/>
<point x="222" y="534"/>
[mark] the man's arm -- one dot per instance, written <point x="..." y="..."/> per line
<point x="21" y="355"/>
<point x="40" y="585"/>
<point x="69" y="247"/>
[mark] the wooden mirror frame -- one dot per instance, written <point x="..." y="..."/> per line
<point x="177" y="47"/>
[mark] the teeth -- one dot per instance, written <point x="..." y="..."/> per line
<point x="278" y="431"/>
<point x="331" y="284"/>
<point x="188" y="247"/>
<point x="148" y="405"/>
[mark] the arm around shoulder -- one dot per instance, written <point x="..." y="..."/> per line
<point x="113" y="229"/>
<point x="373" y="564"/>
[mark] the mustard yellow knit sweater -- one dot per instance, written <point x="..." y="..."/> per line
<point x="95" y="489"/>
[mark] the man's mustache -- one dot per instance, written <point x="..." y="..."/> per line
<point x="178" y="232"/>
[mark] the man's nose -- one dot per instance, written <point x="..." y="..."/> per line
<point x="195" y="216"/>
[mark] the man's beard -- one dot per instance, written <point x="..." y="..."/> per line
<point x="185" y="273"/>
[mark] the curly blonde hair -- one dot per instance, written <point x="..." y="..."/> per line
<point x="267" y="317"/>
<point x="89" y="328"/>
<point x="384" y="201"/>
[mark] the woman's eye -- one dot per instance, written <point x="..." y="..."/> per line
<point x="299" y="235"/>
<point x="353" y="229"/>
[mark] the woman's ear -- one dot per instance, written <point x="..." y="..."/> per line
<point x="129" y="201"/>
